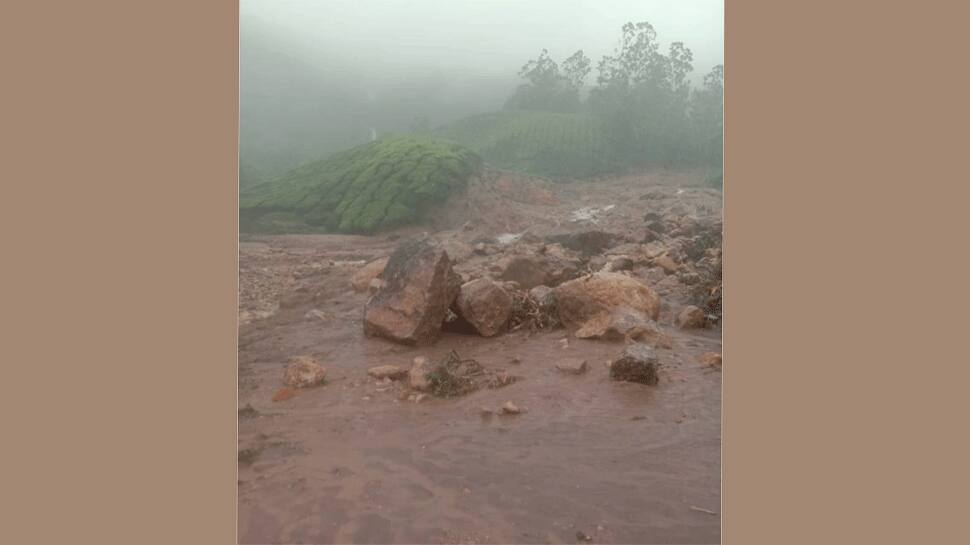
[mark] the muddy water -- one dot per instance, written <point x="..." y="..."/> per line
<point x="353" y="462"/>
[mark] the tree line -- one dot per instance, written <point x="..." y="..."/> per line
<point x="643" y="94"/>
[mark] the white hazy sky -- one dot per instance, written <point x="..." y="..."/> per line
<point x="487" y="37"/>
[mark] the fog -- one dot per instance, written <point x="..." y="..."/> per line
<point x="319" y="76"/>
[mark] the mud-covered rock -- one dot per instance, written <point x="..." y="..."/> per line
<point x="304" y="372"/>
<point x="618" y="263"/>
<point x="588" y="297"/>
<point x="418" y="374"/>
<point x="457" y="250"/>
<point x="667" y="263"/>
<point x="529" y="271"/>
<point x="363" y="279"/>
<point x="691" y="318"/>
<point x="485" y="305"/>
<point x="711" y="358"/>
<point x="573" y="368"/>
<point x="637" y="363"/>
<point x="622" y="324"/>
<point x="655" y="274"/>
<point x="419" y="286"/>
<point x="586" y="242"/>
<point x="654" y="249"/>
<point x="392" y="372"/>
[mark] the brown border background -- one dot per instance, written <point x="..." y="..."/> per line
<point x="845" y="275"/>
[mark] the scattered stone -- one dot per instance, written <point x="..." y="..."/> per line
<point x="691" y="318"/>
<point x="689" y="278"/>
<point x="419" y="286"/>
<point x="418" y="374"/>
<point x="363" y="278"/>
<point x="583" y="537"/>
<point x="668" y="264"/>
<point x="284" y="393"/>
<point x="248" y="412"/>
<point x="655" y="274"/>
<point x="391" y="372"/>
<point x="304" y="372"/>
<point x="510" y="408"/>
<point x="637" y="363"/>
<point x="316" y="314"/>
<point x="654" y="249"/>
<point x="480" y="248"/>
<point x="589" y="297"/>
<point x="417" y="398"/>
<point x="586" y="242"/>
<point x="618" y="263"/>
<point x="485" y="305"/>
<point x="596" y="263"/>
<point x="711" y="358"/>
<point x="649" y="235"/>
<point x="573" y="369"/>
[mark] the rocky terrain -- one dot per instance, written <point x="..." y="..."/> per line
<point x="538" y="364"/>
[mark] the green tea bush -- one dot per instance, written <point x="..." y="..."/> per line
<point x="375" y="186"/>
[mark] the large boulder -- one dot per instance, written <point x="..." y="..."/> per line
<point x="419" y="286"/>
<point x="638" y="363"/>
<point x="485" y="305"/>
<point x="588" y="297"/>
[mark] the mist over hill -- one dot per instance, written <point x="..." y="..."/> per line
<point x="321" y="77"/>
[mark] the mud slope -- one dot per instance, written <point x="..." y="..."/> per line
<point x="356" y="461"/>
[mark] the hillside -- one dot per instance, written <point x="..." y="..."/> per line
<point x="375" y="186"/>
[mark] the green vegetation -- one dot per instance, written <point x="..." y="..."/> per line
<point x="371" y="187"/>
<point x="643" y="102"/>
<point x="642" y="111"/>
<point x="541" y="143"/>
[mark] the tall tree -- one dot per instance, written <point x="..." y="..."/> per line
<point x="550" y="87"/>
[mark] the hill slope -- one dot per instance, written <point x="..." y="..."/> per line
<point x="540" y="143"/>
<point x="371" y="187"/>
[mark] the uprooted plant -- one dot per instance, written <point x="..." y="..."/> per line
<point x="453" y="376"/>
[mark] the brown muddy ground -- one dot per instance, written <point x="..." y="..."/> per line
<point x="589" y="459"/>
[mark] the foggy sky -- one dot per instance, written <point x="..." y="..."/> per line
<point x="484" y="37"/>
<point x="318" y="76"/>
